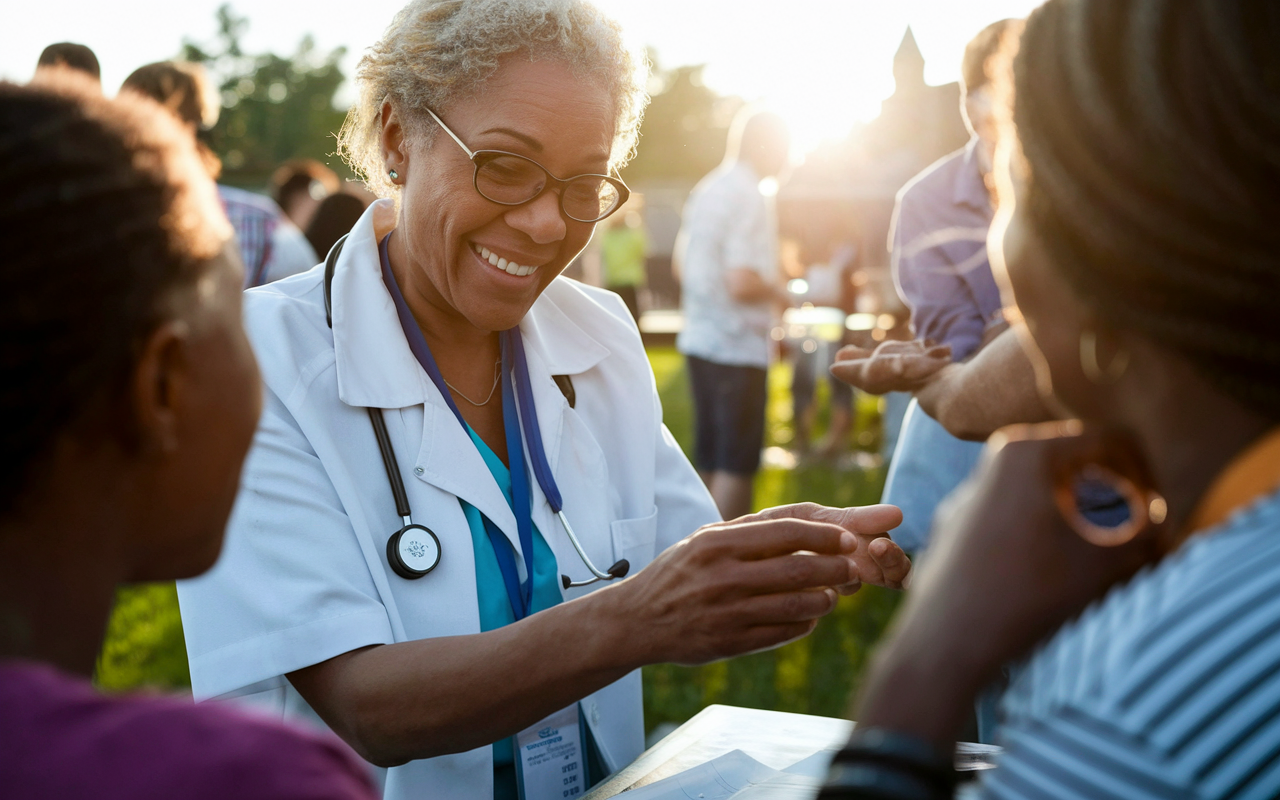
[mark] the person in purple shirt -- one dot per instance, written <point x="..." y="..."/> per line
<point x="939" y="258"/>
<point x="130" y="395"/>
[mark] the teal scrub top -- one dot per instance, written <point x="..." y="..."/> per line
<point x="491" y="592"/>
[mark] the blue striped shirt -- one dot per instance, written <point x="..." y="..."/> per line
<point x="1169" y="687"/>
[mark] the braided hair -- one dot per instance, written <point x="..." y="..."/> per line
<point x="1151" y="131"/>
<point x="106" y="214"/>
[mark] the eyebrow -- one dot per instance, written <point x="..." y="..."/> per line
<point x="533" y="143"/>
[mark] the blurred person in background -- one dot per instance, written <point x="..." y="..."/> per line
<point x="828" y="284"/>
<point x="1139" y="185"/>
<point x="443" y="412"/>
<point x="624" y="246"/>
<point x="271" y="246"/>
<point x="939" y="261"/>
<point x="298" y="186"/>
<point x="334" y="218"/>
<point x="126" y="364"/>
<point x="727" y="260"/>
<point x="69" y="55"/>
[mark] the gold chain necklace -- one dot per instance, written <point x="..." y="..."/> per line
<point x="497" y="375"/>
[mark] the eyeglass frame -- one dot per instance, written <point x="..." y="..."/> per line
<point x="624" y="192"/>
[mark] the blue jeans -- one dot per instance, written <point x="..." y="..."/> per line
<point x="927" y="465"/>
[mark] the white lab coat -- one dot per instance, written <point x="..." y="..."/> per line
<point x="303" y="576"/>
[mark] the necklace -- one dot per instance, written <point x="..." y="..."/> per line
<point x="497" y="375"/>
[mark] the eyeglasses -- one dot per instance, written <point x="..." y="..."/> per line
<point x="512" y="180"/>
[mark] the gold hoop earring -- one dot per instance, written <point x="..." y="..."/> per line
<point x="1089" y="360"/>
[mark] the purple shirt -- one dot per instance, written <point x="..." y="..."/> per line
<point x="939" y="242"/>
<point x="59" y="738"/>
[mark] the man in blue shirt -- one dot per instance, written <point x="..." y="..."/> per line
<point x="939" y="257"/>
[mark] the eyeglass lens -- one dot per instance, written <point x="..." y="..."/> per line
<point x="512" y="179"/>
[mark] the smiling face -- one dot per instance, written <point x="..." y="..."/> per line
<point x="467" y="257"/>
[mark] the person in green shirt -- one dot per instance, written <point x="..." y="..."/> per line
<point x="624" y="246"/>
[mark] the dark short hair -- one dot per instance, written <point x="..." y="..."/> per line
<point x="106" y="215"/>
<point x="70" y="54"/>
<point x="1151" y="132"/>
<point x="334" y="218"/>
<point x="178" y="86"/>
<point x="979" y="50"/>
<point x="296" y="176"/>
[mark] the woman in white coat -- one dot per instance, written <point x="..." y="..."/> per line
<point x="498" y="126"/>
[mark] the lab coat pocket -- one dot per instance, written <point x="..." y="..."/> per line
<point x="633" y="539"/>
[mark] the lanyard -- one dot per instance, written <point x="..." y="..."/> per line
<point x="514" y="392"/>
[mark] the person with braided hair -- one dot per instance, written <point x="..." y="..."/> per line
<point x="130" y="396"/>
<point x="1139" y="189"/>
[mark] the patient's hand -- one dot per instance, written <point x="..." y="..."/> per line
<point x="894" y="366"/>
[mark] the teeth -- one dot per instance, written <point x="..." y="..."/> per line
<point x="509" y="267"/>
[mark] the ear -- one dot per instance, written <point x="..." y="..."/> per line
<point x="161" y="385"/>
<point x="395" y="149"/>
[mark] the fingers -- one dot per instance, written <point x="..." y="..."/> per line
<point x="864" y="520"/>
<point x="760" y="537"/>
<point x="894" y="565"/>
<point x="789" y="607"/>
<point x="793" y="573"/>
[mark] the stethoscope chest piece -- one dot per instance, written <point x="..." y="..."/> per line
<point x="413" y="551"/>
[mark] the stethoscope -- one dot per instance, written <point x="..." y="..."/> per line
<point x="414" y="550"/>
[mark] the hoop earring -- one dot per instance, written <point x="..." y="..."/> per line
<point x="393" y="175"/>
<point x="1089" y="360"/>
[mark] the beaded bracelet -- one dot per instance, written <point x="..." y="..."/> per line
<point x="887" y="765"/>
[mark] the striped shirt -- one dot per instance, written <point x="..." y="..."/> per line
<point x="1169" y="687"/>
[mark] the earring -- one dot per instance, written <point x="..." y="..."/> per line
<point x="1089" y="360"/>
<point x="393" y="175"/>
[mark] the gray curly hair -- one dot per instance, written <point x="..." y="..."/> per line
<point x="436" y="51"/>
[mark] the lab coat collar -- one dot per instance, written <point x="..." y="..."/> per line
<point x="375" y="367"/>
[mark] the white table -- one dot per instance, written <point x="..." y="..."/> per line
<point x="776" y="739"/>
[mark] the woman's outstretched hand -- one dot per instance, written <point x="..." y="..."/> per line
<point x="893" y="366"/>
<point x="755" y="582"/>
<point x="1005" y="570"/>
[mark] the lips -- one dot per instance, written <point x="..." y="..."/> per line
<point x="506" y="265"/>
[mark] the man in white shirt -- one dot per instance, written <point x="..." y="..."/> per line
<point x="728" y="262"/>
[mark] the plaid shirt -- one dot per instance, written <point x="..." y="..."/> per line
<point x="254" y="219"/>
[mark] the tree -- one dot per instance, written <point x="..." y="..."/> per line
<point x="683" y="134"/>
<point x="273" y="108"/>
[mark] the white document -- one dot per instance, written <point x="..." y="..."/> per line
<point x="718" y="779"/>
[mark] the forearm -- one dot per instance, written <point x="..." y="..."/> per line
<point x="745" y="285"/>
<point x="997" y="387"/>
<point x="410" y="700"/>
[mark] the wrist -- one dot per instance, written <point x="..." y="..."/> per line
<point x="615" y="643"/>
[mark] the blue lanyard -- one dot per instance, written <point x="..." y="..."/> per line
<point x="517" y="392"/>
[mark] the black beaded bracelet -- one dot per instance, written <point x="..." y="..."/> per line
<point x="887" y="765"/>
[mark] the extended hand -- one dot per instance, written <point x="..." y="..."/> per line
<point x="894" y="366"/>
<point x="756" y="582"/>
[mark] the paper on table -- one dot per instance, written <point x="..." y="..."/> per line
<point x="718" y="779"/>
<point x="783" y="786"/>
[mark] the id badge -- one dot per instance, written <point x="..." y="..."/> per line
<point x="551" y="758"/>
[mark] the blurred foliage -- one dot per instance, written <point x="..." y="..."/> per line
<point x="683" y="134"/>
<point x="816" y="675"/>
<point x="144" y="645"/>
<point x="820" y="673"/>
<point x="273" y="107"/>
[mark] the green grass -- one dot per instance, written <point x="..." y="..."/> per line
<point x="817" y="675"/>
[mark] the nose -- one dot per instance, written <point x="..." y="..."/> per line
<point x="540" y="219"/>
